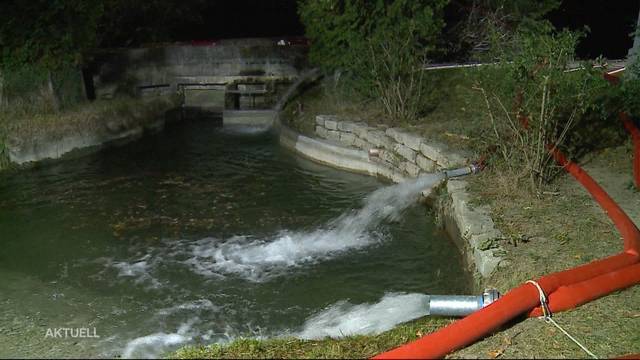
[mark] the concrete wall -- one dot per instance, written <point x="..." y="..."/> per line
<point x="107" y="129"/>
<point x="233" y="64"/>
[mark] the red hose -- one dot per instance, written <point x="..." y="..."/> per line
<point x="566" y="289"/>
<point x="626" y="227"/>
<point x="516" y="302"/>
<point x="572" y="296"/>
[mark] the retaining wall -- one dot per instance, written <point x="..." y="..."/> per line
<point x="109" y="129"/>
<point x="401" y="155"/>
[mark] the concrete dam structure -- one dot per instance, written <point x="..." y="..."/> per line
<point x="240" y="78"/>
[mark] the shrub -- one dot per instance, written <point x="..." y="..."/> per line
<point x="533" y="102"/>
<point x="630" y="88"/>
<point x="379" y="46"/>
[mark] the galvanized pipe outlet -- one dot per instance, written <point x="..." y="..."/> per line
<point x="460" y="305"/>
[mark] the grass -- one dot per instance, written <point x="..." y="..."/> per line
<point x="86" y="117"/>
<point x="451" y="111"/>
<point x="553" y="230"/>
<point x="329" y="97"/>
<point x="18" y="126"/>
<point x="348" y="347"/>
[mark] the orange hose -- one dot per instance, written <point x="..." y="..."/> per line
<point x="516" y="302"/>
<point x="572" y="296"/>
<point x="626" y="227"/>
<point x="566" y="289"/>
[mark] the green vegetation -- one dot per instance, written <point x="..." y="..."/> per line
<point x="628" y="94"/>
<point x="533" y="103"/>
<point x="100" y="116"/>
<point x="509" y="111"/>
<point x="353" y="347"/>
<point x="380" y="46"/>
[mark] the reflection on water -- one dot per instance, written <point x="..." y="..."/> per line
<point x="199" y="235"/>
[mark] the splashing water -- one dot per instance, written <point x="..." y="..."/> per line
<point x="344" y="319"/>
<point x="261" y="259"/>
<point x="257" y="259"/>
<point x="150" y="346"/>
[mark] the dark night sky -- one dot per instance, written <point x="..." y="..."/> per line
<point x="610" y="22"/>
<point x="247" y="18"/>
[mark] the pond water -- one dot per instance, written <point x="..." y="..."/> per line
<point x="201" y="234"/>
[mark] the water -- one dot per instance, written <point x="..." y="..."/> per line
<point x="200" y="234"/>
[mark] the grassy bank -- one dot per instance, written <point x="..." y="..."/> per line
<point x="19" y="126"/>
<point x="558" y="228"/>
<point x="348" y="347"/>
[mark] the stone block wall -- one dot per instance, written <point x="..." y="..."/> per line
<point x="405" y="152"/>
<point x="408" y="155"/>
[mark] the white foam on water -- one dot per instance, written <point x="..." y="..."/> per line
<point x="344" y="319"/>
<point x="139" y="270"/>
<point x="154" y="345"/>
<point x="238" y="129"/>
<point x="256" y="259"/>
<point x="262" y="259"/>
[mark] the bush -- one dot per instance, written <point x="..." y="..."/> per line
<point x="630" y="89"/>
<point x="533" y="102"/>
<point x="379" y="46"/>
<point x="33" y="88"/>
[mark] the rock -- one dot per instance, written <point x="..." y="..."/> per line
<point x="333" y="135"/>
<point x="347" y="138"/>
<point x="388" y="172"/>
<point x="114" y="126"/>
<point x="331" y="124"/>
<point x="321" y="131"/>
<point x="476" y="228"/>
<point x="434" y="151"/>
<point x="406" y="138"/>
<point x="425" y="164"/>
<point x="379" y="139"/>
<point x="320" y="119"/>
<point x="441" y="154"/>
<point x="365" y="145"/>
<point x="405" y="152"/>
<point x="454" y="159"/>
<point x="361" y="130"/>
<point x="390" y="157"/>
<point x="349" y="126"/>
<point x="410" y="168"/>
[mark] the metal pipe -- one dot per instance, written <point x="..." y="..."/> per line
<point x="471" y="169"/>
<point x="460" y="305"/>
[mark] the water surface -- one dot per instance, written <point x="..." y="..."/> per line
<point x="200" y="234"/>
